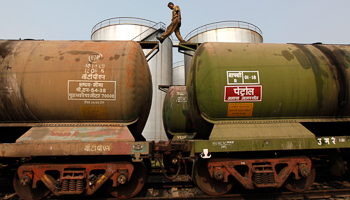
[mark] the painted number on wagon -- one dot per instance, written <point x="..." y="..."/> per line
<point x="328" y="141"/>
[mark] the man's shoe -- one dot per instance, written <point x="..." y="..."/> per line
<point x="160" y="39"/>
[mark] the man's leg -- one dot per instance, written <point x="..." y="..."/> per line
<point x="170" y="29"/>
<point x="178" y="35"/>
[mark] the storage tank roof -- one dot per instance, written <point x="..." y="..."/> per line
<point x="223" y="24"/>
<point x="178" y="64"/>
<point x="121" y="21"/>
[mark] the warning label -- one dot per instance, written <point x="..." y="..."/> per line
<point x="240" y="110"/>
<point x="252" y="93"/>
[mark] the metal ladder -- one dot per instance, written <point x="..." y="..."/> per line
<point x="159" y="28"/>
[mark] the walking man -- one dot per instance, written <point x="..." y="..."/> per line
<point x="175" y="24"/>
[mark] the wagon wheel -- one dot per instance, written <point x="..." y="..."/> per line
<point x="133" y="186"/>
<point x="27" y="192"/>
<point x="301" y="184"/>
<point x="206" y="183"/>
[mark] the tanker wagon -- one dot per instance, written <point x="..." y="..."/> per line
<point x="75" y="111"/>
<point x="266" y="115"/>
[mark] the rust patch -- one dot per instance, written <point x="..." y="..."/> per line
<point x="54" y="133"/>
<point x="287" y="55"/>
<point x="95" y="133"/>
<point x="75" y="53"/>
<point x="47" y="58"/>
<point x="259" y="168"/>
<point x="120" y="148"/>
<point x="76" y="172"/>
<point x="308" y="59"/>
<point x="94" y="112"/>
<point x="116" y="57"/>
<point x="302" y="59"/>
<point x="5" y="49"/>
<point x="335" y="60"/>
<point x="343" y="56"/>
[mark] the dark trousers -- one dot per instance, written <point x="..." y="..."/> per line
<point x="174" y="26"/>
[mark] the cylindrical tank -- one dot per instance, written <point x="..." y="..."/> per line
<point x="176" y="116"/>
<point x="236" y="81"/>
<point x="75" y="81"/>
<point x="179" y="73"/>
<point x="160" y="65"/>
<point x="223" y="31"/>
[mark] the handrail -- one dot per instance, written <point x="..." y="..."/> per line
<point x="160" y="24"/>
<point x="179" y="64"/>
<point x="223" y="24"/>
<point x="122" y="20"/>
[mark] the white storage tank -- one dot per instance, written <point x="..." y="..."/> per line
<point x="179" y="73"/>
<point x="137" y="29"/>
<point x="223" y="31"/>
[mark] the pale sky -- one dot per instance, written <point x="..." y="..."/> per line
<point x="281" y="21"/>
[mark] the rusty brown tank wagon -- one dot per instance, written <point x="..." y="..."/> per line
<point x="76" y="99"/>
<point x="74" y="81"/>
<point x="289" y="101"/>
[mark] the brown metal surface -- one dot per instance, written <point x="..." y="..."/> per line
<point x="260" y="173"/>
<point x="260" y="131"/>
<point x="76" y="134"/>
<point x="171" y="146"/>
<point x="74" y="81"/>
<point x="74" y="148"/>
<point x="72" y="178"/>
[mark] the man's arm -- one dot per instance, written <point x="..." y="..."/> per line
<point x="179" y="16"/>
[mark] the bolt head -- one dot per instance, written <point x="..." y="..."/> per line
<point x="174" y="161"/>
<point x="121" y="179"/>
<point x="219" y="175"/>
<point x="25" y="180"/>
<point x="304" y="171"/>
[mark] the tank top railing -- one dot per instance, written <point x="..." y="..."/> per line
<point x="122" y="20"/>
<point x="223" y="24"/>
<point x="146" y="33"/>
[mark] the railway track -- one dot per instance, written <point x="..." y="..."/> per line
<point x="158" y="187"/>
